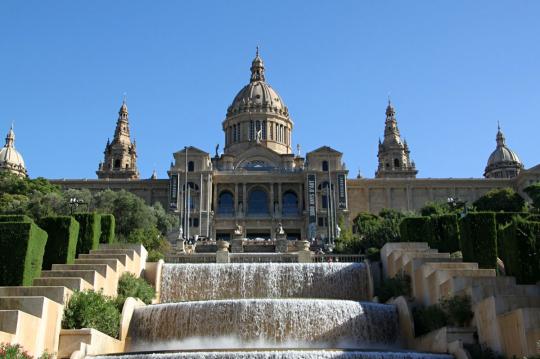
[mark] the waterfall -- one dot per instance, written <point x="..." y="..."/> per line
<point x="312" y="323"/>
<point x="188" y="282"/>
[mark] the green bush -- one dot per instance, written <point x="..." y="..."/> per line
<point x="521" y="250"/>
<point x="427" y="319"/>
<point x="22" y="245"/>
<point x="478" y="239"/>
<point x="15" y="218"/>
<point x="415" y="229"/>
<point x="91" y="309"/>
<point x="108" y="226"/>
<point x="89" y="232"/>
<point x="394" y="287"/>
<point x="500" y="199"/>
<point x="444" y="233"/>
<point x="13" y="351"/>
<point x="458" y="309"/>
<point x="373" y="254"/>
<point x="131" y="286"/>
<point x="63" y="233"/>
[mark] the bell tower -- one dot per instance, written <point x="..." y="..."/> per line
<point x="121" y="154"/>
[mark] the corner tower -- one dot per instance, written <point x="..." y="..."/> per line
<point x="503" y="162"/>
<point x="120" y="154"/>
<point x="257" y="115"/>
<point x="394" y="154"/>
<point x="10" y="159"/>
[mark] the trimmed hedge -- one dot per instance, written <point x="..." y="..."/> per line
<point x="478" y="239"/>
<point x="61" y="246"/>
<point x="22" y="245"/>
<point x="415" y="229"/>
<point x="521" y="243"/>
<point x="15" y="218"/>
<point x="89" y="232"/>
<point x="108" y="226"/>
<point x="445" y="233"/>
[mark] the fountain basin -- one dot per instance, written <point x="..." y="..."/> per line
<point x="192" y="282"/>
<point x="280" y="323"/>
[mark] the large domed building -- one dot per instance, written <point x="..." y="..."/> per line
<point x="10" y="159"/>
<point x="259" y="184"/>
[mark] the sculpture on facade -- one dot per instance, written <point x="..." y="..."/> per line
<point x="280" y="230"/>
<point x="238" y="230"/>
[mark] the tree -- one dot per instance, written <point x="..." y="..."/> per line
<point x="497" y="200"/>
<point x="435" y="209"/>
<point x="165" y="221"/>
<point x="533" y="191"/>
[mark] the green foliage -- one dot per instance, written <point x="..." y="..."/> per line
<point x="13" y="351"/>
<point x="521" y="255"/>
<point x="444" y="233"/>
<point x="165" y="222"/>
<point x="131" y="286"/>
<point x="478" y="239"/>
<point x="415" y="229"/>
<point x="458" y="309"/>
<point x="533" y="191"/>
<point x="394" y="287"/>
<point x="496" y="200"/>
<point x="89" y="232"/>
<point x="22" y="245"/>
<point x="372" y="231"/>
<point x="91" y="309"/>
<point x="15" y="218"/>
<point x="435" y="209"/>
<point x="427" y="319"/>
<point x="154" y="255"/>
<point x="108" y="226"/>
<point x="373" y="254"/>
<point x="151" y="239"/>
<point x="63" y="234"/>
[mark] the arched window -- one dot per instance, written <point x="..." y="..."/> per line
<point x="117" y="163"/>
<point x="323" y="193"/>
<point x="271" y="131"/>
<point x="290" y="204"/>
<point x="258" y="202"/>
<point x="234" y="133"/>
<point x="264" y="130"/>
<point x="226" y="203"/>
<point x="191" y="166"/>
<point x="396" y="163"/>
<point x="238" y="132"/>
<point x="325" y="166"/>
<point x="251" y="131"/>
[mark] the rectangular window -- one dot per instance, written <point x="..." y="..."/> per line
<point x="322" y="222"/>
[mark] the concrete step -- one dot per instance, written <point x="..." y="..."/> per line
<point x="73" y="283"/>
<point x="30" y="305"/>
<point x="114" y="263"/>
<point x="102" y="269"/>
<point x="23" y="327"/>
<point x="129" y="252"/>
<point x="439" y="284"/>
<point x="122" y="258"/>
<point x="58" y="294"/>
<point x="91" y="276"/>
<point x="6" y="337"/>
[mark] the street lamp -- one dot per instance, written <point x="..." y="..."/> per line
<point x="74" y="203"/>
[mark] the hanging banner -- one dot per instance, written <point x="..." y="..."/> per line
<point x="312" y="196"/>
<point x="342" y="192"/>
<point x="173" y="186"/>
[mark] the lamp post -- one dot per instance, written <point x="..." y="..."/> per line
<point x="74" y="203"/>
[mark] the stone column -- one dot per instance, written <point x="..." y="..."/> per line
<point x="236" y="200"/>
<point x="272" y="199"/>
<point x="222" y="254"/>
<point x="244" y="199"/>
<point x="304" y="254"/>
<point x="279" y="200"/>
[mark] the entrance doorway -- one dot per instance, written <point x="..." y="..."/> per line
<point x="258" y="235"/>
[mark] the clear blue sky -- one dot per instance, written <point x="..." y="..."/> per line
<point x="453" y="69"/>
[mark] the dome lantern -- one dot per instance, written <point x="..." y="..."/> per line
<point x="503" y="162"/>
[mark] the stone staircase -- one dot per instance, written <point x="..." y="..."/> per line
<point x="506" y="314"/>
<point x="32" y="316"/>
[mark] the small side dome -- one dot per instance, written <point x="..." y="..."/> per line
<point x="503" y="162"/>
<point x="10" y="159"/>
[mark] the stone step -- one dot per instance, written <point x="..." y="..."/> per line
<point x="114" y="263"/>
<point x="122" y="258"/>
<point x="6" y="337"/>
<point x="23" y="328"/>
<point x="91" y="276"/>
<point x="30" y="305"/>
<point x="129" y="252"/>
<point x="438" y="281"/>
<point x="58" y="294"/>
<point x="102" y="269"/>
<point x="522" y="341"/>
<point x="73" y="283"/>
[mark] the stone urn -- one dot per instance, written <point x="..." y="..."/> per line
<point x="302" y="245"/>
<point x="222" y="246"/>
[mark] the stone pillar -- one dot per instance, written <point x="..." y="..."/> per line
<point x="272" y="209"/>
<point x="235" y="204"/>
<point x="279" y="200"/>
<point x="304" y="254"/>
<point x="237" y="243"/>
<point x="244" y="199"/>
<point x="222" y="254"/>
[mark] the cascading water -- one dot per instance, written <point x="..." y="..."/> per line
<point x="185" y="282"/>
<point x="266" y="310"/>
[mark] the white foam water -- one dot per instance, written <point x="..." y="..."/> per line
<point x="189" y="282"/>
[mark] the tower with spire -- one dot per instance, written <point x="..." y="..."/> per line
<point x="10" y="159"/>
<point x="503" y="162"/>
<point x="121" y="154"/>
<point x="394" y="154"/>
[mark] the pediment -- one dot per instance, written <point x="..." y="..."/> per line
<point x="324" y="150"/>
<point x="258" y="158"/>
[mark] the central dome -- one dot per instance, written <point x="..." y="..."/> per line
<point x="10" y="159"/>
<point x="257" y="96"/>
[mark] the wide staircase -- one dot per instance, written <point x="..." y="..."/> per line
<point x="32" y="315"/>
<point x="506" y="314"/>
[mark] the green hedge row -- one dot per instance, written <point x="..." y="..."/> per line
<point x="478" y="239"/>
<point x="15" y="218"/>
<point x="89" y="232"/>
<point x="61" y="246"/>
<point x="521" y="254"/>
<point x="108" y="226"/>
<point x="440" y="232"/>
<point x="22" y="247"/>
